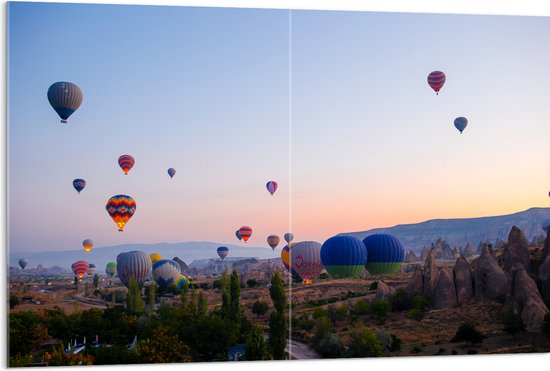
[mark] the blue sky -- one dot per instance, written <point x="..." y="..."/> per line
<point x="206" y="90"/>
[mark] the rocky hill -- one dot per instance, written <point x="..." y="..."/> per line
<point x="460" y="232"/>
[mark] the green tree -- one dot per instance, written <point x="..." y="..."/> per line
<point x="331" y="346"/>
<point x="26" y="332"/>
<point x="252" y="283"/>
<point x="134" y="302"/>
<point x="379" y="309"/>
<point x="256" y="347"/>
<point x="361" y="307"/>
<point x="162" y="348"/>
<point x="202" y="305"/>
<point x="364" y="343"/>
<point x="14" y="300"/>
<point x="468" y="334"/>
<point x="277" y="319"/>
<point x="226" y="296"/>
<point x="96" y="282"/>
<point x="235" y="293"/>
<point x="183" y="295"/>
<point x="319" y="312"/>
<point x="260" y="308"/>
<point x="513" y="324"/>
<point x="152" y="297"/>
<point x="75" y="282"/>
<point x="322" y="329"/>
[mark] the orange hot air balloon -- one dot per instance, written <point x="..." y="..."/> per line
<point x="88" y="244"/>
<point x="121" y="208"/>
<point x="80" y="268"/>
<point x="126" y="162"/>
<point x="245" y="233"/>
<point x="273" y="241"/>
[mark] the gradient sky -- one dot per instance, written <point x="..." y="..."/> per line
<point x="206" y="91"/>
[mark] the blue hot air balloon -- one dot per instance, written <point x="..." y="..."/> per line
<point x="343" y="256"/>
<point x="166" y="272"/>
<point x="171" y="172"/>
<point x="23" y="263"/>
<point x="223" y="251"/>
<point x="79" y="184"/>
<point x="65" y="98"/>
<point x="136" y="264"/>
<point x="385" y="253"/>
<point x="461" y="123"/>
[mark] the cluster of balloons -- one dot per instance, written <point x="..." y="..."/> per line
<point x="436" y="80"/>
<point x="344" y="256"/>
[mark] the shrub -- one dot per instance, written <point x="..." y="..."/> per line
<point x="373" y="286"/>
<point x="513" y="324"/>
<point x="319" y="312"/>
<point x="252" y="282"/>
<point x="323" y="276"/>
<point x="14" y="300"/>
<point x="401" y="301"/>
<point x="217" y="284"/>
<point x="416" y="349"/>
<point x="361" y="307"/>
<point x="379" y="309"/>
<point x="331" y="346"/>
<point x="396" y="343"/>
<point x="260" y="307"/>
<point x="468" y="334"/>
<point x="322" y="329"/>
<point x="364" y="343"/>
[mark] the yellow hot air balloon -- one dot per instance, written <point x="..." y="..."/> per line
<point x="155" y="257"/>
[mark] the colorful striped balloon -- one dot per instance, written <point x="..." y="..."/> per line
<point x="65" y="98"/>
<point x="385" y="253"/>
<point x="80" y="268"/>
<point x="436" y="80"/>
<point x="166" y="272"/>
<point x="171" y="172"/>
<point x="343" y="256"/>
<point x="222" y="252"/>
<point x="110" y="269"/>
<point x="306" y="259"/>
<point x="285" y="258"/>
<point x="271" y="186"/>
<point x="245" y="233"/>
<point x="180" y="282"/>
<point x="87" y="244"/>
<point x="126" y="162"/>
<point x="79" y="184"/>
<point x="121" y="208"/>
<point x="90" y="270"/>
<point x="273" y="241"/>
<point x="136" y="264"/>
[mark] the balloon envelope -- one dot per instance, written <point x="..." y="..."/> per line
<point x="126" y="162"/>
<point x="273" y="241"/>
<point x="245" y="233"/>
<point x="155" y="257"/>
<point x="90" y="270"/>
<point x="121" y="208"/>
<point x="181" y="281"/>
<point x="79" y="184"/>
<point x="288" y="237"/>
<point x="65" y="98"/>
<point x="436" y="80"/>
<point x="271" y="186"/>
<point x="136" y="264"/>
<point x="171" y="172"/>
<point x="110" y="269"/>
<point x="343" y="256"/>
<point x="80" y="268"/>
<point x="166" y="272"/>
<point x="222" y="252"/>
<point x="385" y="253"/>
<point x="23" y="263"/>
<point x="461" y="123"/>
<point x="306" y="259"/>
<point x="87" y="244"/>
<point x="238" y="234"/>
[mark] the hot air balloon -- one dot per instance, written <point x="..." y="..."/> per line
<point x="90" y="270"/>
<point x="65" y="98"/>
<point x="306" y="259"/>
<point x="271" y="186"/>
<point x="343" y="256"/>
<point x="88" y="244"/>
<point x="121" y="208"/>
<point x="110" y="269"/>
<point x="285" y="258"/>
<point x="80" y="268"/>
<point x="436" y="80"/>
<point x="171" y="172"/>
<point x="461" y="123"/>
<point x="23" y="263"/>
<point x="180" y="282"/>
<point x="245" y="233"/>
<point x="385" y="253"/>
<point x="79" y="184"/>
<point x="238" y="235"/>
<point x="155" y="257"/>
<point x="222" y="252"/>
<point x="166" y="272"/>
<point x="288" y="237"/>
<point x="136" y="264"/>
<point x="273" y="241"/>
<point x="126" y="162"/>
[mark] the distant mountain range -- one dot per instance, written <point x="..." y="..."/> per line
<point x="100" y="256"/>
<point x="458" y="232"/>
